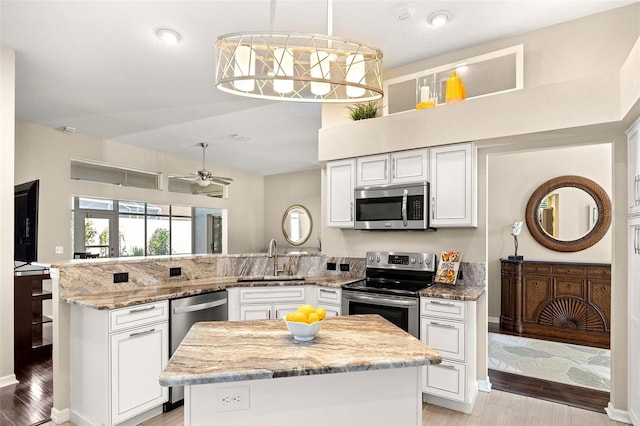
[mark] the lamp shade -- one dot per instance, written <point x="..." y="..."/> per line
<point x="298" y="67"/>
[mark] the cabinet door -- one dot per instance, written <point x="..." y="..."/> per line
<point x="339" y="197"/>
<point x="633" y="162"/>
<point x="373" y="170"/>
<point x="446" y="337"/>
<point x="410" y="166"/>
<point x="332" y="310"/>
<point x="255" y="312"/>
<point x="138" y="356"/>
<point x="453" y="189"/>
<point x="536" y="292"/>
<point x="633" y="332"/>
<point x="282" y="309"/>
<point x="446" y="379"/>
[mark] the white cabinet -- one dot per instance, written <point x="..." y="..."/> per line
<point x="116" y="359"/>
<point x="453" y="186"/>
<point x="396" y="167"/>
<point x="633" y="278"/>
<point x="340" y="183"/>
<point x="253" y="303"/>
<point x="448" y="326"/>
<point x="330" y="299"/>
<point x="633" y="162"/>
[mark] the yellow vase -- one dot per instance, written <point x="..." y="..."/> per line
<point x="454" y="91"/>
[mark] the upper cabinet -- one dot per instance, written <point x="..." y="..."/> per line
<point x="341" y="179"/>
<point x="454" y="188"/>
<point x="396" y="167"/>
<point x="633" y="155"/>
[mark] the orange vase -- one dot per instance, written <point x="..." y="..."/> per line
<point x="455" y="90"/>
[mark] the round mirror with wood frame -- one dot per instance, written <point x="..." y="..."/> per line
<point x="599" y="229"/>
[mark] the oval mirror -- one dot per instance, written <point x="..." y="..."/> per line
<point x="568" y="213"/>
<point x="297" y="225"/>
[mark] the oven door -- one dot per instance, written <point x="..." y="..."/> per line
<point x="401" y="311"/>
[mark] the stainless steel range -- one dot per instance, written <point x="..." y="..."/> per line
<point x="391" y="288"/>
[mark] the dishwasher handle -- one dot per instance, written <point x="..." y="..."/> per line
<point x="200" y="306"/>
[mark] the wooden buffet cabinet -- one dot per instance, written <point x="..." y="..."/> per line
<point x="564" y="301"/>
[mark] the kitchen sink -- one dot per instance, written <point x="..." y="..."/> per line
<point x="271" y="278"/>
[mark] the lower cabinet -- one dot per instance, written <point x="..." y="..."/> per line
<point x="449" y="327"/>
<point x="268" y="302"/>
<point x="116" y="359"/>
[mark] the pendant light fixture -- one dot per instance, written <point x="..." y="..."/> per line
<point x="298" y="67"/>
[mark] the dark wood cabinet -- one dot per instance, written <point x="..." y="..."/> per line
<point x="564" y="301"/>
<point x="32" y="331"/>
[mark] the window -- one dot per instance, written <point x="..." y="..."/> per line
<point x="103" y="173"/>
<point x="143" y="229"/>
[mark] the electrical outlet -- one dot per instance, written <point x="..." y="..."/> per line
<point x="59" y="249"/>
<point x="331" y="266"/>
<point x="344" y="267"/>
<point x="120" y="277"/>
<point x="232" y="398"/>
<point x="175" y="272"/>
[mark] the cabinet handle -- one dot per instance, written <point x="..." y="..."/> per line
<point x="433" y="207"/>
<point x="393" y="168"/>
<point x="448" y="366"/>
<point x="437" y="324"/>
<point x="436" y="302"/>
<point x="637" y="188"/>
<point x="140" y="333"/>
<point x="385" y="170"/>
<point x="150" y="308"/>
<point x="351" y="211"/>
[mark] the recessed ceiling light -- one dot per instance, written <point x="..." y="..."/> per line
<point x="439" y="18"/>
<point x="168" y="36"/>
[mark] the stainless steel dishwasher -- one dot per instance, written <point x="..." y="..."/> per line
<point x="184" y="312"/>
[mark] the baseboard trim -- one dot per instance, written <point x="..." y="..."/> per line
<point x="60" y="416"/>
<point x="484" y="385"/>
<point x="617" y="415"/>
<point x="493" y="320"/>
<point x="8" y="380"/>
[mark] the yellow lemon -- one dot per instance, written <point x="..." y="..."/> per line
<point x="306" y="309"/>
<point x="313" y="317"/>
<point x="321" y="313"/>
<point x="289" y="316"/>
<point x="298" y="317"/>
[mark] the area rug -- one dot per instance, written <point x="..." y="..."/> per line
<point x="558" y="362"/>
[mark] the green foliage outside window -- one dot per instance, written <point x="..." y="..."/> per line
<point x="159" y="242"/>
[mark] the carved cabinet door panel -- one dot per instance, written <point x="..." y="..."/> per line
<point x="536" y="293"/>
<point x="600" y="298"/>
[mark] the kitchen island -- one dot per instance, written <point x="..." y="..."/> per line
<point x="359" y="369"/>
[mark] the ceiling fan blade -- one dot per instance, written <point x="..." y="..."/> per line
<point x="190" y="177"/>
<point x="219" y="180"/>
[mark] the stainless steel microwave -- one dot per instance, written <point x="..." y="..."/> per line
<point x="392" y="207"/>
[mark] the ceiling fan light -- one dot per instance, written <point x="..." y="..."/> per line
<point x="203" y="182"/>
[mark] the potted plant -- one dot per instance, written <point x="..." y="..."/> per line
<point x="363" y="111"/>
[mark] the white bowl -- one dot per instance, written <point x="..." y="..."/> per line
<point x="302" y="331"/>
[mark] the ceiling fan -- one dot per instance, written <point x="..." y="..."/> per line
<point x="204" y="177"/>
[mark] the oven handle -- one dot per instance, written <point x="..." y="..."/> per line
<point x="405" y="193"/>
<point x="380" y="299"/>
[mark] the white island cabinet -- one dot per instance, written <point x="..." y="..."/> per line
<point x="339" y="378"/>
<point x="116" y="358"/>
<point x="263" y="302"/>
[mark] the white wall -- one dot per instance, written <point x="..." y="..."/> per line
<point x="285" y="190"/>
<point x="45" y="153"/>
<point x="7" y="120"/>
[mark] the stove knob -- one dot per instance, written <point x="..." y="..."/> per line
<point x="420" y="261"/>
<point x="371" y="258"/>
<point x="413" y="260"/>
<point x="378" y="259"/>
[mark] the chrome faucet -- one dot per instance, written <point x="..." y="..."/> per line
<point x="273" y="252"/>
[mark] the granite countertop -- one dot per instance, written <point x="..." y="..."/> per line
<point x="453" y="292"/>
<point x="227" y="351"/>
<point x="130" y="296"/>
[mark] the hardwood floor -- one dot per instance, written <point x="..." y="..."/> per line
<point x="30" y="401"/>
<point x="491" y="409"/>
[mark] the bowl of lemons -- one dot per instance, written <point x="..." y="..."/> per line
<point x="305" y="322"/>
